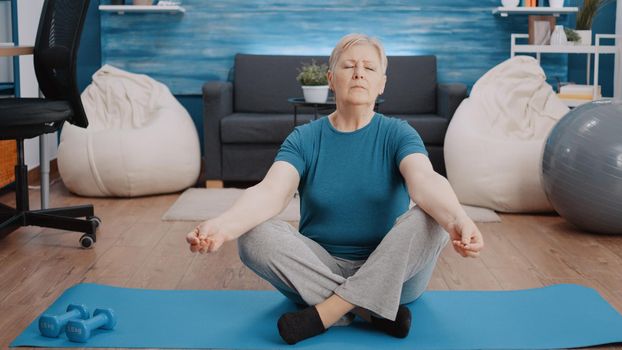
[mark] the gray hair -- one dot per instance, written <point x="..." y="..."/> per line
<point x="355" y="39"/>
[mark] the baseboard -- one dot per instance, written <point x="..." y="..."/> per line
<point x="34" y="174"/>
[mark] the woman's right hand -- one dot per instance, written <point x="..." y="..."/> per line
<point x="206" y="238"/>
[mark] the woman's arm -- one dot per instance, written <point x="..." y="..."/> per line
<point x="262" y="201"/>
<point x="433" y="193"/>
<point x="256" y="205"/>
<point x="430" y="191"/>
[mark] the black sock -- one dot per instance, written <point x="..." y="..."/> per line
<point x="398" y="328"/>
<point x="300" y="325"/>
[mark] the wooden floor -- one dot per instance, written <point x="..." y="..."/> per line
<point x="136" y="249"/>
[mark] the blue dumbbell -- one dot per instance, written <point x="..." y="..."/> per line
<point x="80" y="330"/>
<point x="52" y="325"/>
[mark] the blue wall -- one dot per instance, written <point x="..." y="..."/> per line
<point x="184" y="51"/>
<point x="89" y="56"/>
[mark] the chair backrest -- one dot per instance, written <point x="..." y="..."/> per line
<point x="56" y="51"/>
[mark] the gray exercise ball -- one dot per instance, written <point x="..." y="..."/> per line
<point x="582" y="167"/>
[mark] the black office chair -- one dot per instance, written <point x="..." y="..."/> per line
<point x="55" y="53"/>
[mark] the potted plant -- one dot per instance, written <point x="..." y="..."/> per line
<point x="572" y="36"/>
<point x="585" y="17"/>
<point x="313" y="78"/>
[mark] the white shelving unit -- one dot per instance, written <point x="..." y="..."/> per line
<point x="595" y="50"/>
<point x="122" y="9"/>
<point x="519" y="10"/>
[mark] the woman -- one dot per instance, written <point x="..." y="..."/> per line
<point x="360" y="250"/>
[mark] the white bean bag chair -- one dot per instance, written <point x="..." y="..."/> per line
<point x="140" y="140"/>
<point x="494" y="142"/>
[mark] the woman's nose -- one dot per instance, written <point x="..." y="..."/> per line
<point x="358" y="72"/>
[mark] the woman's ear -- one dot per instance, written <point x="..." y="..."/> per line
<point x="329" y="77"/>
<point x="384" y="83"/>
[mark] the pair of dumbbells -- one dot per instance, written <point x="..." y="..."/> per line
<point x="76" y="322"/>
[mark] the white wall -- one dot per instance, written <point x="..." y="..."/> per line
<point x="28" y="12"/>
<point x="6" y="73"/>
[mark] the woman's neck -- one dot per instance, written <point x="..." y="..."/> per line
<point x="351" y="118"/>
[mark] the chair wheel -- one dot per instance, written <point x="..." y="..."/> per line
<point x="87" y="241"/>
<point x="97" y="220"/>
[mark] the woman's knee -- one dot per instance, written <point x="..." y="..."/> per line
<point x="424" y="224"/>
<point x="254" y="246"/>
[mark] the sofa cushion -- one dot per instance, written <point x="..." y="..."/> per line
<point x="263" y="83"/>
<point x="274" y="128"/>
<point x="258" y="127"/>
<point x="430" y="127"/>
<point x="411" y="85"/>
<point x="247" y="162"/>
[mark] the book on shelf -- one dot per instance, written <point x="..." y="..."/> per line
<point x="530" y="3"/>
<point x="579" y="92"/>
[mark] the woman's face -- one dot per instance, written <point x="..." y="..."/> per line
<point x="358" y="78"/>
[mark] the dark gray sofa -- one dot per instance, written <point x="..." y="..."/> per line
<point x="246" y="120"/>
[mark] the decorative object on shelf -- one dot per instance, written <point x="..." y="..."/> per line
<point x="312" y="77"/>
<point x="572" y="36"/>
<point x="556" y="3"/>
<point x="579" y="93"/>
<point x="585" y="18"/>
<point x="581" y="168"/>
<point x="540" y="29"/>
<point x="559" y="36"/>
<point x="585" y="37"/>
<point x="143" y="2"/>
<point x="510" y="3"/>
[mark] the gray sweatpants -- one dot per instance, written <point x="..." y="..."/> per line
<point x="397" y="271"/>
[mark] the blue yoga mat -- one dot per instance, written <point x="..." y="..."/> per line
<point x="559" y="316"/>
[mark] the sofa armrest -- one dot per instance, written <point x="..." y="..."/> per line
<point x="217" y="103"/>
<point x="449" y="98"/>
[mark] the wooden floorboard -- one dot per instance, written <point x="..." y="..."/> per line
<point x="136" y="249"/>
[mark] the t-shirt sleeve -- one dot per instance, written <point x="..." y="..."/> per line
<point x="291" y="151"/>
<point x="408" y="142"/>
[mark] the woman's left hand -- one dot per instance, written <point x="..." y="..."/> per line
<point x="466" y="238"/>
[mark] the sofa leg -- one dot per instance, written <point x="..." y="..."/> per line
<point x="214" y="184"/>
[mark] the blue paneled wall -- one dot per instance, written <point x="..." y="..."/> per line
<point x="184" y="51"/>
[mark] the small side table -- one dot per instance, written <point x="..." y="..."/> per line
<point x="330" y="104"/>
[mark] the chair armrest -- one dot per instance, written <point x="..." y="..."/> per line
<point x="217" y="104"/>
<point x="449" y="98"/>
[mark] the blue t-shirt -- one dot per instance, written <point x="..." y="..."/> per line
<point x="351" y="189"/>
